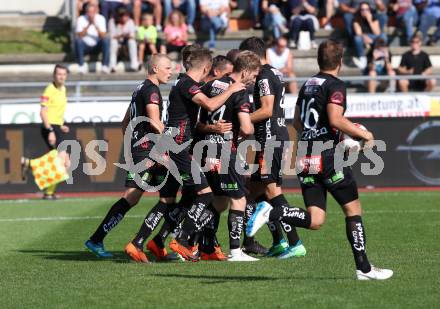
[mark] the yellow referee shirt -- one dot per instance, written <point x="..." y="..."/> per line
<point x="55" y="100"/>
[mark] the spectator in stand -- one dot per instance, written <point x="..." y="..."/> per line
<point x="109" y="8"/>
<point x="215" y="18"/>
<point x="185" y="6"/>
<point x="326" y="10"/>
<point x="430" y="17"/>
<point x="274" y="19"/>
<point x="406" y="16"/>
<point x="148" y="6"/>
<point x="303" y="19"/>
<point x="350" y="7"/>
<point x="366" y="30"/>
<point x="147" y="39"/>
<point x="280" y="57"/>
<point x="256" y="13"/>
<point x="379" y="64"/>
<point x="82" y="4"/>
<point x="91" y="37"/>
<point x="122" y="34"/>
<point x="416" y="62"/>
<point x="176" y="32"/>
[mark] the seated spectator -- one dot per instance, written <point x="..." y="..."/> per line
<point x="349" y="8"/>
<point x="81" y="6"/>
<point x="379" y="64"/>
<point x="406" y="16"/>
<point x="147" y="38"/>
<point x="303" y="19"/>
<point x="274" y="19"/>
<point x="214" y="18"/>
<point x="280" y="57"/>
<point x="148" y="6"/>
<point x="122" y="34"/>
<point x="366" y="30"/>
<point x="109" y="8"/>
<point x="185" y="6"/>
<point x="176" y="32"/>
<point x="326" y="10"/>
<point x="430" y="17"/>
<point x="91" y="37"/>
<point x="221" y="66"/>
<point x="416" y="62"/>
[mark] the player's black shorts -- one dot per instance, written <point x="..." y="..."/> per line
<point x="184" y="162"/>
<point x="270" y="172"/>
<point x="230" y="184"/>
<point x="341" y="184"/>
<point x="152" y="176"/>
<point x="60" y="136"/>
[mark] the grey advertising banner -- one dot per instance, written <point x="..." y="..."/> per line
<point x="412" y="156"/>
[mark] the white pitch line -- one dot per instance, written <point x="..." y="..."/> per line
<point x="30" y="219"/>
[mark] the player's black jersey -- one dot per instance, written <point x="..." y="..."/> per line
<point x="269" y="82"/>
<point x="238" y="102"/>
<point x="182" y="111"/>
<point x="145" y="93"/>
<point x="315" y="94"/>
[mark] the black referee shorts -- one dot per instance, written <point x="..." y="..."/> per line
<point x="60" y="136"/>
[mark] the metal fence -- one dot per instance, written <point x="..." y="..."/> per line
<point x="128" y="85"/>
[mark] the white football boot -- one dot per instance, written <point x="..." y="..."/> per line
<point x="237" y="255"/>
<point x="374" y="274"/>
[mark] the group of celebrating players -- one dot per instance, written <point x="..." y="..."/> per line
<point x="209" y="103"/>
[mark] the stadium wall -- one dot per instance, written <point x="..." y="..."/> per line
<point x="412" y="156"/>
<point x="46" y="7"/>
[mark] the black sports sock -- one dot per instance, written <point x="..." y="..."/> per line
<point x="291" y="215"/>
<point x="276" y="231"/>
<point x="235" y="227"/>
<point x="358" y="240"/>
<point x="209" y="233"/>
<point x="150" y="223"/>
<point x="197" y="217"/>
<point x="173" y="217"/>
<point x="113" y="217"/>
<point x="292" y="234"/>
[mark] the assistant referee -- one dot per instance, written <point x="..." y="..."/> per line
<point x="53" y="106"/>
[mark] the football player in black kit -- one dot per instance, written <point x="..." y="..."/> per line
<point x="227" y="183"/>
<point x="146" y="101"/>
<point x="271" y="133"/>
<point x="185" y="99"/>
<point x="319" y="118"/>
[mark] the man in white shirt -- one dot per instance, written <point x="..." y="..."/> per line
<point x="91" y="37"/>
<point x="214" y="17"/>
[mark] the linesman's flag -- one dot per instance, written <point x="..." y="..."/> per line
<point x="48" y="170"/>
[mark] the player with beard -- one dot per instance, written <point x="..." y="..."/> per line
<point x="319" y="119"/>
<point x="271" y="133"/>
<point x="185" y="99"/>
<point x="147" y="102"/>
<point x="227" y="183"/>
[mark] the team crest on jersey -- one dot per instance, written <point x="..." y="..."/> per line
<point x="220" y="85"/>
<point x="337" y="98"/>
<point x="154" y="98"/>
<point x="263" y="85"/>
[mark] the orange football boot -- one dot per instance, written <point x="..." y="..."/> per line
<point x="136" y="254"/>
<point x="160" y="254"/>
<point x="183" y="251"/>
<point x="217" y="255"/>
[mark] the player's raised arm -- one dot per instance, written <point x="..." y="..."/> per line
<point x="212" y="104"/>
<point x="220" y="127"/>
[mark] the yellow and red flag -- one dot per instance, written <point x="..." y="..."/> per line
<point x="48" y="170"/>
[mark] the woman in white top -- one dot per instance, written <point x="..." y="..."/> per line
<point x="280" y="57"/>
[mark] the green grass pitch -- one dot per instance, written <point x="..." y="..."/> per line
<point x="43" y="263"/>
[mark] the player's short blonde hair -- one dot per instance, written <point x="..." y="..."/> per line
<point x="153" y="61"/>
<point x="246" y="61"/>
